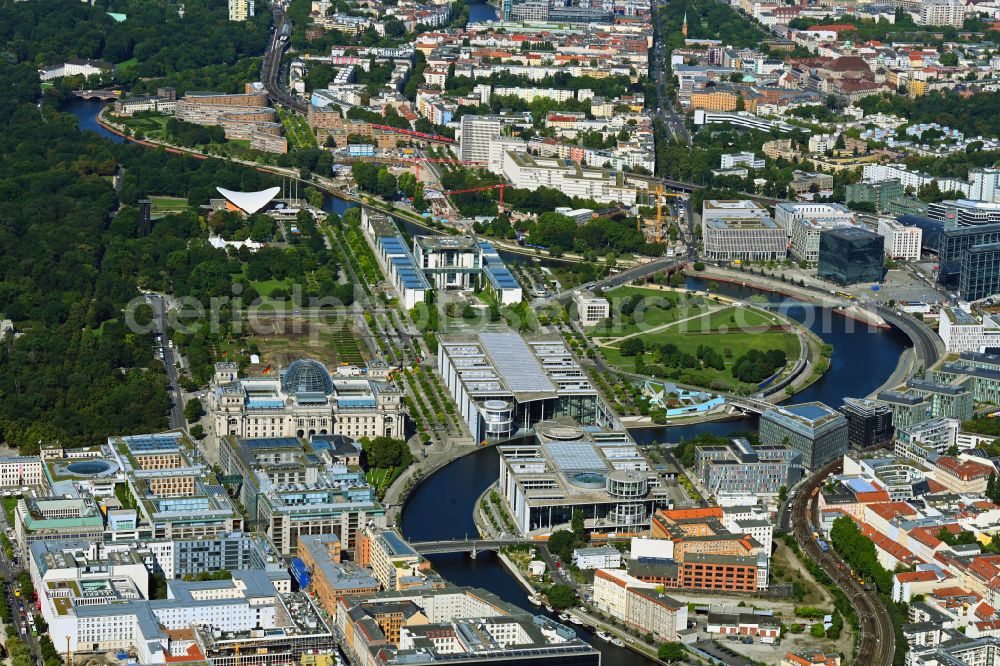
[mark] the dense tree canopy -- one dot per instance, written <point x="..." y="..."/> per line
<point x="158" y="35"/>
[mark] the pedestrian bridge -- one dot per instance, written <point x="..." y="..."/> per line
<point x="105" y="95"/>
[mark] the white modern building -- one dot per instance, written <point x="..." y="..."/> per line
<point x="504" y="384"/>
<point x="901" y="241"/>
<point x="591" y="309"/>
<point x="599" y="557"/>
<point x="805" y="230"/>
<point x="475" y="136"/>
<point x="740" y="230"/>
<point x="528" y="172"/>
<point x="639" y="605"/>
<point x="465" y="263"/>
<point x="786" y="212"/>
<point x="941" y="12"/>
<point x="730" y="160"/>
<point x="963" y="331"/>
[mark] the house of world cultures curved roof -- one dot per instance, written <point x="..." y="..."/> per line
<point x="249" y="202"/>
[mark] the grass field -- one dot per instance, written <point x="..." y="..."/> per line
<point x="152" y="125"/>
<point x="169" y="204"/>
<point x="732" y="331"/>
<point x="266" y="287"/>
<point x="296" y="130"/>
<point x="654" y="310"/>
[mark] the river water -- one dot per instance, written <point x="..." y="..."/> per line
<point x="441" y="507"/>
<point x="481" y="12"/>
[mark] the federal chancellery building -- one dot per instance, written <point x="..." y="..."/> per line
<point x="303" y="400"/>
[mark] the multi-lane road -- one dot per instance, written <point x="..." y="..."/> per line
<point x="271" y="74"/>
<point x="878" y="638"/>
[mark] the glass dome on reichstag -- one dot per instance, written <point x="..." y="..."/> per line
<point x="306" y="376"/>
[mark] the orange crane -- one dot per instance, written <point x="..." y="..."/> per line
<point x="498" y="186"/>
<point x="660" y="195"/>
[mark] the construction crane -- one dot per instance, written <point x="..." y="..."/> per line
<point x="498" y="186"/>
<point x="660" y="194"/>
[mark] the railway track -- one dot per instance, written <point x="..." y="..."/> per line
<point x="878" y="638"/>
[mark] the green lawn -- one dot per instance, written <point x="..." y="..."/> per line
<point x="126" y="65"/>
<point x="725" y="331"/>
<point x="658" y="308"/>
<point x="266" y="287"/>
<point x="346" y="346"/>
<point x="297" y="130"/>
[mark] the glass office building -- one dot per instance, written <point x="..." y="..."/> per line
<point x="849" y="255"/>
<point x="980" y="276"/>
<point x="954" y="244"/>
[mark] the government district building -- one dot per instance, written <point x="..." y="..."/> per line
<point x="504" y="384"/>
<point x="96" y="598"/>
<point x="305" y="400"/>
<point x="293" y="487"/>
<point x="962" y="330"/>
<point x="816" y="431"/>
<point x="591" y="309"/>
<point x="741" y="230"/>
<point x="453" y="625"/>
<point x="602" y="473"/>
<point x="437" y="262"/>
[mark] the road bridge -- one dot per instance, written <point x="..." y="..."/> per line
<point x="664" y="265"/>
<point x="105" y="95"/>
<point x="471" y="546"/>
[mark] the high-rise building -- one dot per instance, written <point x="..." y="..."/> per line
<point x="868" y="422"/>
<point x="980" y="276"/>
<point x="241" y="10"/>
<point x="849" y="255"/>
<point x="941" y="12"/>
<point x="476" y="134"/>
<point x="815" y="430"/>
<point x="953" y="244"/>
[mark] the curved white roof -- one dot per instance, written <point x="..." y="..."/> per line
<point x="249" y="202"/>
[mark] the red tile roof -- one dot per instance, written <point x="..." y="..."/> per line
<point x="966" y="470"/>
<point x="916" y="577"/>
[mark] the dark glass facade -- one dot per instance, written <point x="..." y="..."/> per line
<point x="850" y="255"/>
<point x="980" y="276"/>
<point x="868" y="424"/>
<point x="954" y="244"/>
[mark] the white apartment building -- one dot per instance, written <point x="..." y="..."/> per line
<point x="901" y="241"/>
<point x="820" y="143"/>
<point x="19" y="471"/>
<point x="591" y="309"/>
<point x="602" y="185"/>
<point x="730" y="160"/>
<point x="963" y="331"/>
<point x="475" y="136"/>
<point x="941" y="12"/>
<point x="916" y="179"/>
<point x="740" y="230"/>
<point x="638" y="605"/>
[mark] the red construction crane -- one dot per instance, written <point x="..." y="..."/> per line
<point x="498" y="186"/>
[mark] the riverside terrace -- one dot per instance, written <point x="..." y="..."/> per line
<point x="172" y="489"/>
